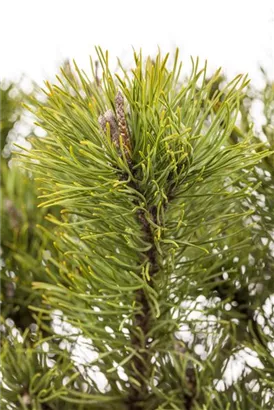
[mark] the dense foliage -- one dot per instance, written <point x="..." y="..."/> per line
<point x="146" y="269"/>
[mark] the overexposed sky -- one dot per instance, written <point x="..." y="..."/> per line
<point x="37" y="35"/>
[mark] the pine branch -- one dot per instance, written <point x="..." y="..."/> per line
<point x="137" y="396"/>
<point x="150" y="191"/>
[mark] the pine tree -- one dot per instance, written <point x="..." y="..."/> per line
<point x="147" y="264"/>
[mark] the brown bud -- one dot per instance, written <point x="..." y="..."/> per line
<point x="122" y="123"/>
<point x="109" y="117"/>
<point x="117" y="125"/>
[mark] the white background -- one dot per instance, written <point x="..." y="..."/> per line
<point x="36" y="35"/>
